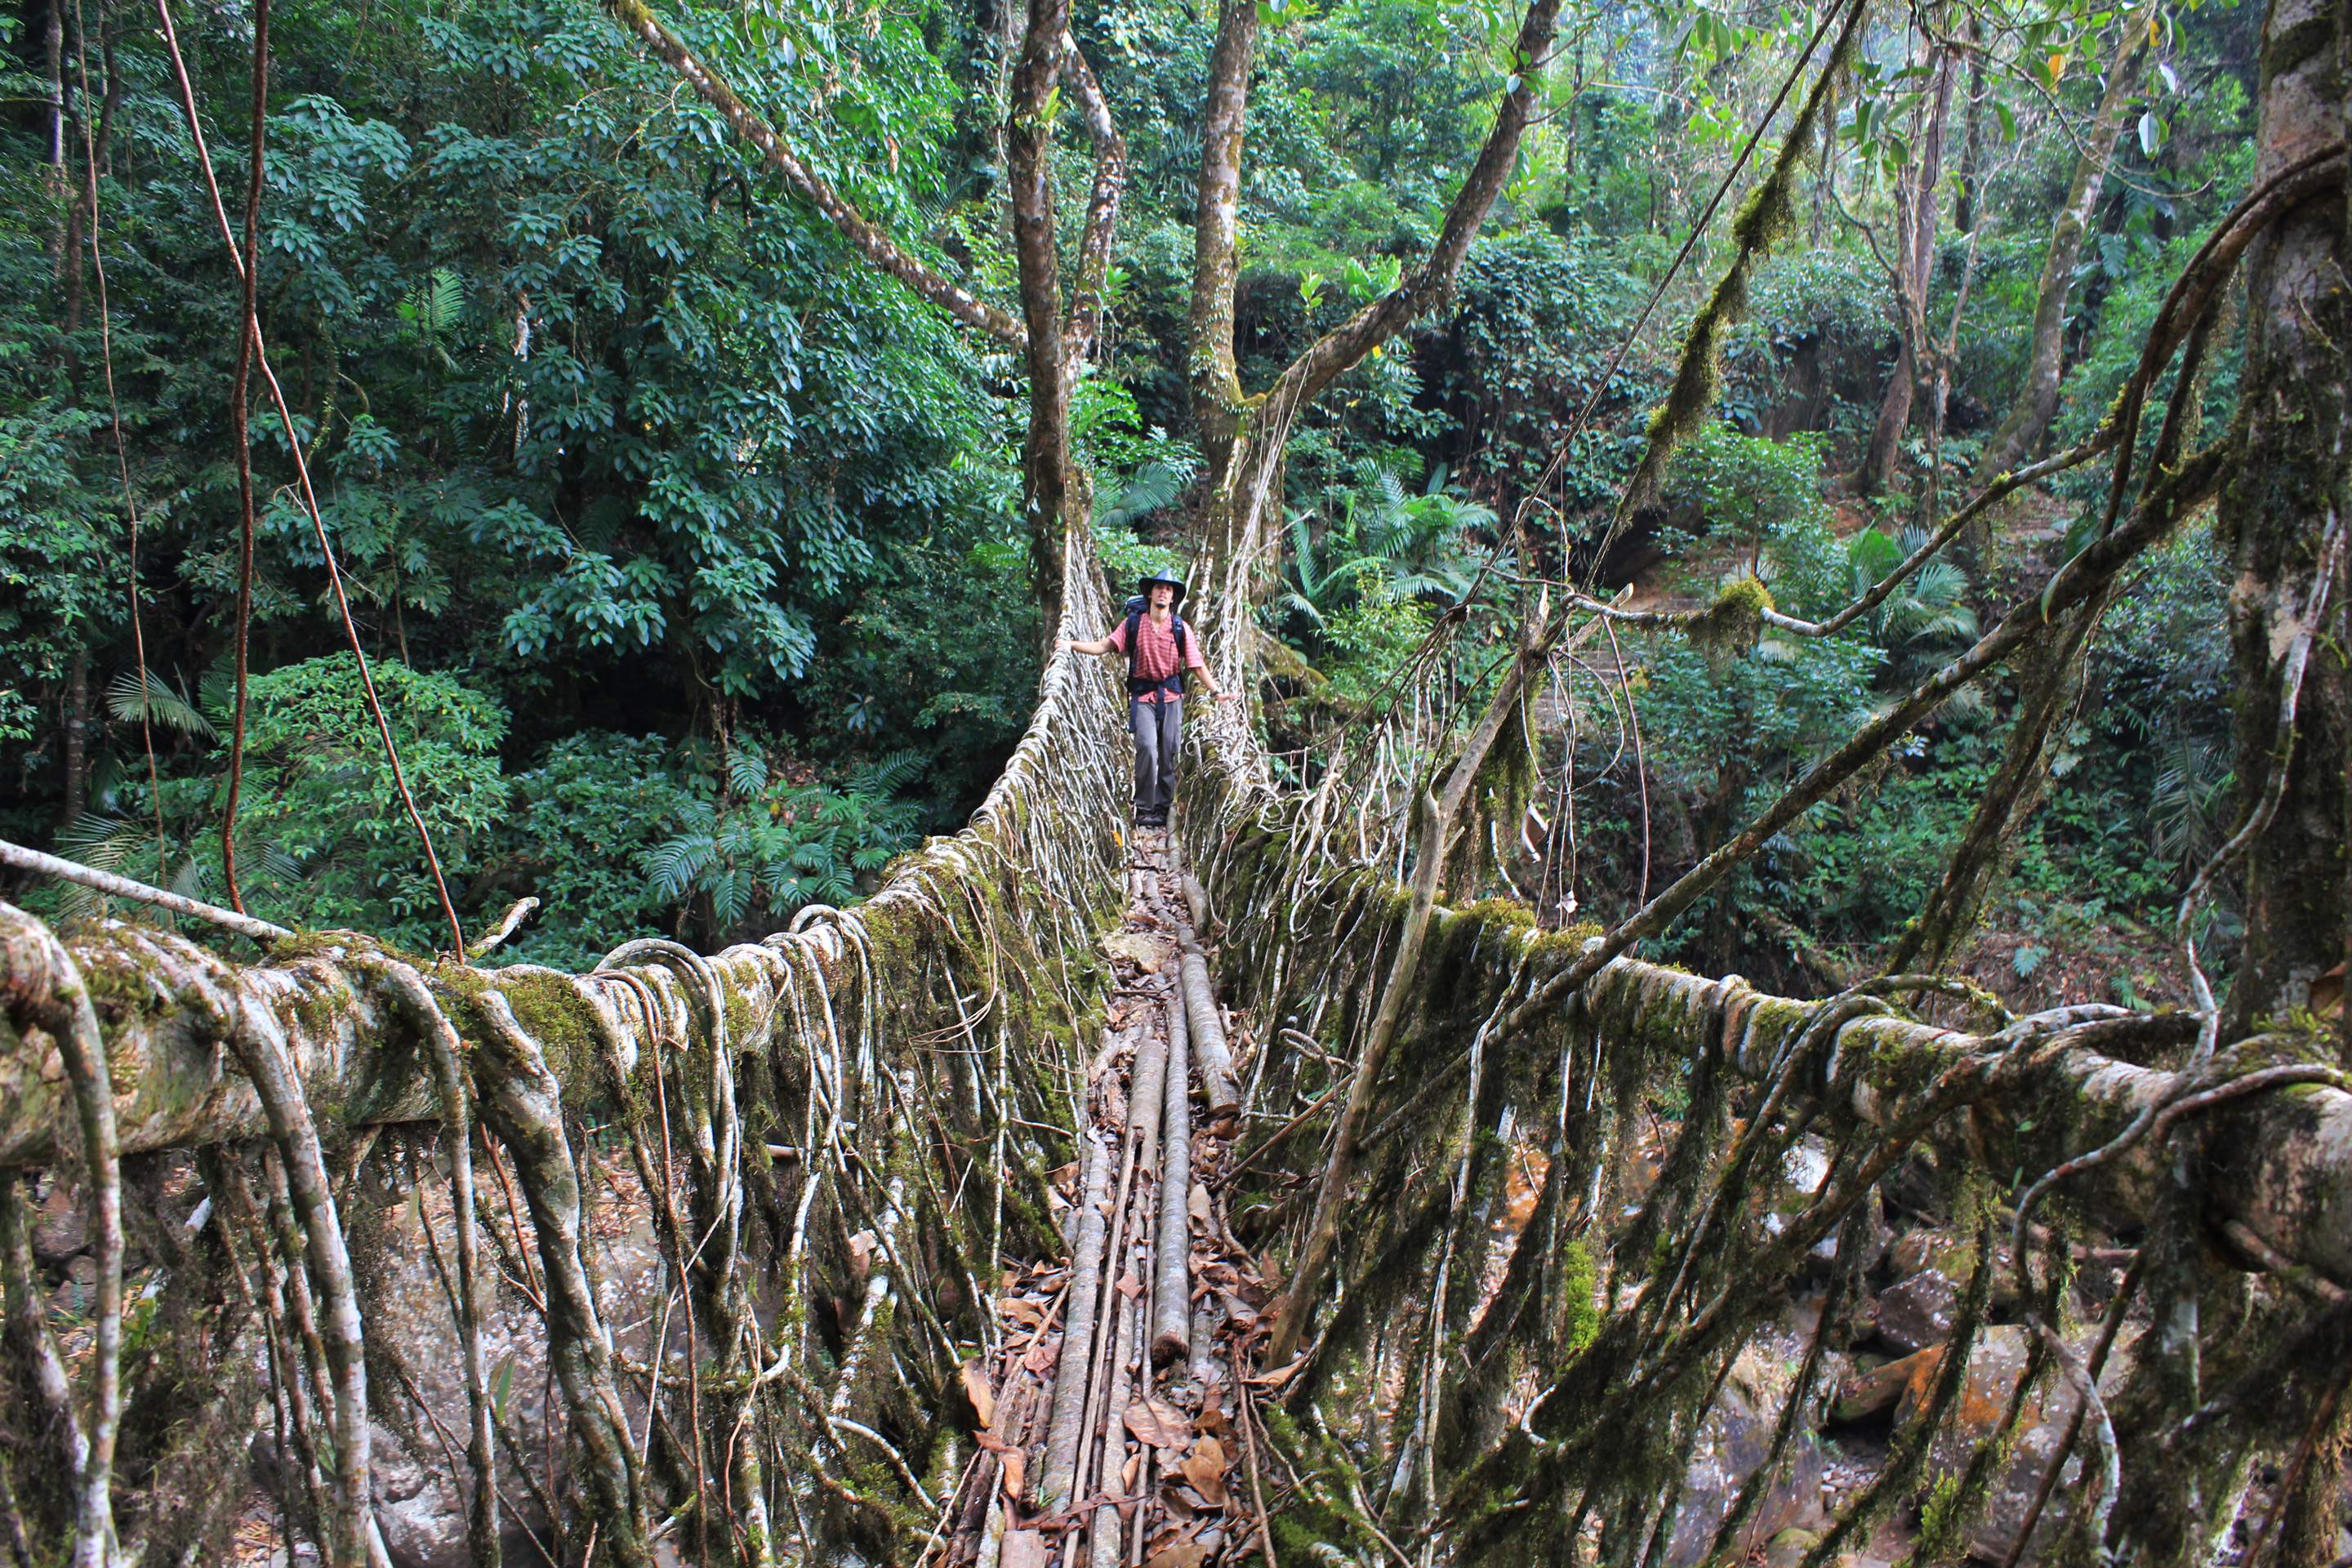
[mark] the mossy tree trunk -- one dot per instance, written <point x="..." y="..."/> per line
<point x="2282" y="521"/>
<point x="2037" y="403"/>
<point x="1916" y="209"/>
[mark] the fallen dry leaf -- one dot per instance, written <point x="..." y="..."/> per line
<point x="1278" y="1377"/>
<point x="983" y="1397"/>
<point x="1204" y="1467"/>
<point x="1016" y="1470"/>
<point x="1129" y="1286"/>
<point x="1185" y="1555"/>
<point x="1212" y="1411"/>
<point x="1021" y="1310"/>
<point x="1198" y="1202"/>
<point x="1158" y="1423"/>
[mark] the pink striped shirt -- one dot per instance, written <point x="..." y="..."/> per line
<point x="1155" y="650"/>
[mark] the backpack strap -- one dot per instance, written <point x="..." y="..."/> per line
<point x="1138" y="685"/>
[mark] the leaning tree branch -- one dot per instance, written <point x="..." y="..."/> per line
<point x="870" y="239"/>
<point x="1084" y="329"/>
<point x="1433" y="282"/>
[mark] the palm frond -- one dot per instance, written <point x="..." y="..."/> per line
<point x="1150" y="488"/>
<point x="157" y="704"/>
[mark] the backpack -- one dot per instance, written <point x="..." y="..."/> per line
<point x="1174" y="685"/>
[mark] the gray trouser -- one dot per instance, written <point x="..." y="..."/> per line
<point x="1158" y="726"/>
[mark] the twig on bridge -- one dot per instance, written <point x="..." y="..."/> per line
<point x="18" y="858"/>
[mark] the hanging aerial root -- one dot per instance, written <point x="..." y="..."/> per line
<point x="522" y="1102"/>
<point x="409" y="991"/>
<point x="42" y="988"/>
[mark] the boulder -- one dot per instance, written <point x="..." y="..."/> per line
<point x="1873" y="1389"/>
<point x="1996" y="1364"/>
<point x="420" y="1503"/>
<point x="421" y="1529"/>
<point x="1735" y="1435"/>
<point x="59" y="1232"/>
<point x="1919" y="1311"/>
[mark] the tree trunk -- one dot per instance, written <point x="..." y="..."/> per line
<point x="1915" y="265"/>
<point x="1045" y="488"/>
<point x="1245" y="437"/>
<point x="1218" y="406"/>
<point x="74" y="742"/>
<point x="1964" y="200"/>
<point x="2282" y="521"/>
<point x="2020" y="433"/>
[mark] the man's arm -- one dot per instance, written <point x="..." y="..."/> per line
<point x="1097" y="645"/>
<point x="1200" y="667"/>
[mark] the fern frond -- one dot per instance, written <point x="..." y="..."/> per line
<point x="887" y="775"/>
<point x="747" y="771"/>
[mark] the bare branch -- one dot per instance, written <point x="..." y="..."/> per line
<point x="1433" y="282"/>
<point x="872" y="242"/>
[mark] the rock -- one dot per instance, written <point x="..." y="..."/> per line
<point x="1787" y="1549"/>
<point x="75" y="1293"/>
<point x="1872" y="1391"/>
<point x="420" y="1504"/>
<point x="1924" y="1247"/>
<point x="61" y="1232"/>
<point x="1996" y="1362"/>
<point x="421" y="1527"/>
<point x="1919" y="1311"/>
<point x="1150" y="953"/>
<point x="1734" y="1437"/>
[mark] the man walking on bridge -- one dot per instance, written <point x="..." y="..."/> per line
<point x="1159" y="648"/>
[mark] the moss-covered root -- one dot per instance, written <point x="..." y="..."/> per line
<point x="407" y="991"/>
<point x="45" y="991"/>
<point x="522" y="1102"/>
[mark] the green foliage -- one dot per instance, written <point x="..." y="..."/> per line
<point x="578" y="824"/>
<point x="1761" y="499"/>
<point x="1926" y="617"/>
<point x="320" y="792"/>
<point x="782" y="847"/>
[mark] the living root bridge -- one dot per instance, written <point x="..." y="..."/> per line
<point x="856" y="1110"/>
<point x="2278" y="1165"/>
<point x="1543" y="1375"/>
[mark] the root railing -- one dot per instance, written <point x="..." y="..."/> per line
<point x="826" y="1140"/>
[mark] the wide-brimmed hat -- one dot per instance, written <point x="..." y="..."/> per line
<point x="1145" y="587"/>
